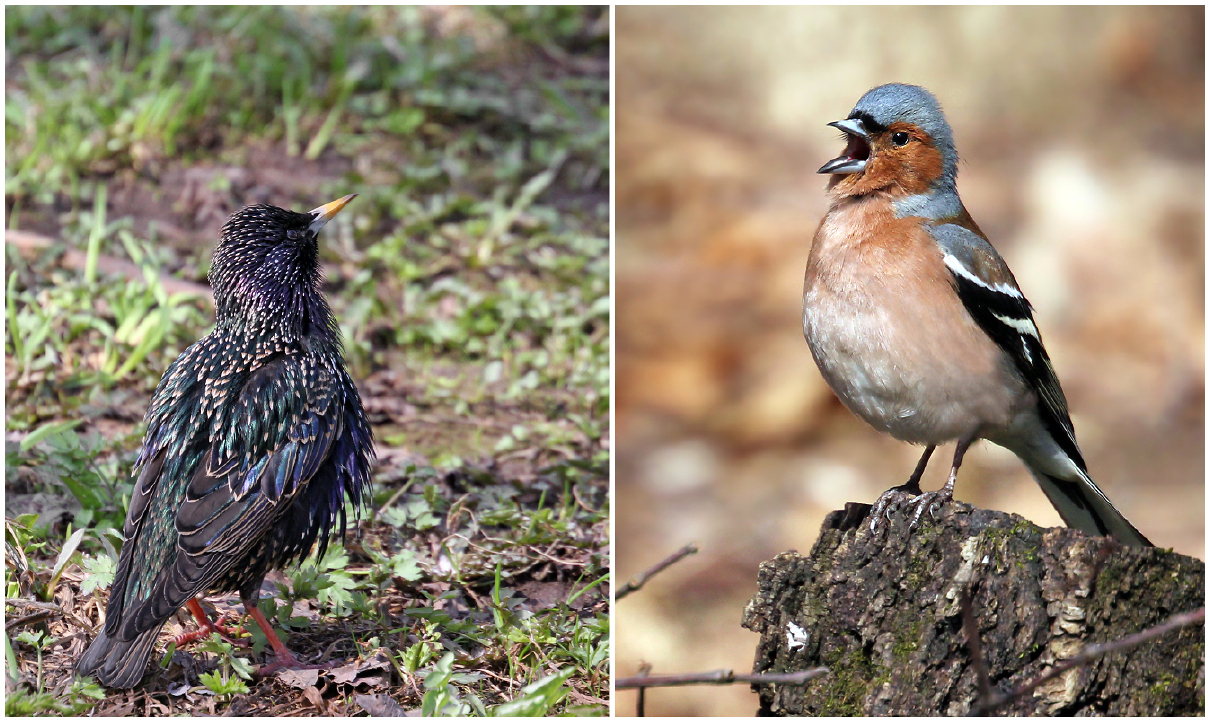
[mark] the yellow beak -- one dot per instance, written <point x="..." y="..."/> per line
<point x="324" y="213"/>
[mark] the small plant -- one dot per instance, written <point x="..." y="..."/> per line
<point x="425" y="650"/>
<point x="233" y="673"/>
<point x="81" y="696"/>
<point x="537" y="699"/>
<point x="327" y="581"/>
<point x="441" y="697"/>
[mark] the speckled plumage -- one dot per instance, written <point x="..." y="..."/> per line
<point x="255" y="436"/>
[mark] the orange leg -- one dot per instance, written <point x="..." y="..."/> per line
<point x="285" y="659"/>
<point x="206" y="628"/>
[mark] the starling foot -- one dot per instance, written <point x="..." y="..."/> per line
<point x="207" y="627"/>
<point x="285" y="659"/>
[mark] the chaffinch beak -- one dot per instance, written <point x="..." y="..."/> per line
<point x="856" y="153"/>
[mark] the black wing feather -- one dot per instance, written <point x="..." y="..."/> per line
<point x="1002" y="315"/>
<point x="222" y="516"/>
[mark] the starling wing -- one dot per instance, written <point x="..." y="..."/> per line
<point x="218" y="510"/>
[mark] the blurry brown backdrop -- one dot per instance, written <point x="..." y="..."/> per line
<point x="1082" y="137"/>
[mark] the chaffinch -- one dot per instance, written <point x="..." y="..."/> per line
<point x="917" y="323"/>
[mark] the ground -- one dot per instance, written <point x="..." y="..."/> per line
<point x="471" y="281"/>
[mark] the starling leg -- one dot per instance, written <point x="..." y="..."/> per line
<point x="206" y="628"/>
<point x="285" y="659"/>
<point x="893" y="498"/>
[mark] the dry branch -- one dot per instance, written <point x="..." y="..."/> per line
<point x="637" y="583"/>
<point x="718" y="676"/>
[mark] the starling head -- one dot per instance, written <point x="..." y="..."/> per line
<point x="266" y="266"/>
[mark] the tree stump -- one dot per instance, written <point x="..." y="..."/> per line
<point x="883" y="612"/>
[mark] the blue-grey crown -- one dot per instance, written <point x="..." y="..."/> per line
<point x="901" y="103"/>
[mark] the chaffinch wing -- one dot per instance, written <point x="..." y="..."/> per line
<point x="917" y="323"/>
<point x="990" y="294"/>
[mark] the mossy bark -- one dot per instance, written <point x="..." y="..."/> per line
<point x="883" y="612"/>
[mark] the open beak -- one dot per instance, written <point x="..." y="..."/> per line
<point x="324" y="213"/>
<point x="856" y="153"/>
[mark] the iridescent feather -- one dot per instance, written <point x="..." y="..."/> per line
<point x="255" y="438"/>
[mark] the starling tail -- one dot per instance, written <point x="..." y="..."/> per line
<point x="255" y="437"/>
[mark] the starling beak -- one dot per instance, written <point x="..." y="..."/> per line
<point x="255" y="437"/>
<point x="324" y="213"/>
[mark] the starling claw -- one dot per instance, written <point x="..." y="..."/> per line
<point x="207" y="627"/>
<point x="229" y="636"/>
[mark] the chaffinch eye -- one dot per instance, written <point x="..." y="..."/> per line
<point x="900" y="138"/>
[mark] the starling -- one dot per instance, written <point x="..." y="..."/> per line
<point x="255" y="437"/>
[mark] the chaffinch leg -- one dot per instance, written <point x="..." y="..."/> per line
<point x="913" y="482"/>
<point x="934" y="500"/>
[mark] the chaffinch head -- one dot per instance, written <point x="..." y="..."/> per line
<point x="917" y="323"/>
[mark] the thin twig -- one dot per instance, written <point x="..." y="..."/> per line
<point x="720" y="676"/>
<point x="33" y="604"/>
<point x="1091" y="653"/>
<point x="641" y="707"/>
<point x="636" y="583"/>
<point x="50" y="607"/>
<point x="970" y="625"/>
<point x="12" y="624"/>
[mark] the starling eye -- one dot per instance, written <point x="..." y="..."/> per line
<point x="292" y="234"/>
<point x="900" y="138"/>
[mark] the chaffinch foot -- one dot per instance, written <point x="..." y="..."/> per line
<point x="917" y="323"/>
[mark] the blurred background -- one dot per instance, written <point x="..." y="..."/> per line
<point x="1082" y="137"/>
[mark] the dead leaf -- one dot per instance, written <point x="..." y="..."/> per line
<point x="314" y="697"/>
<point x="299" y="678"/>
<point x="363" y="671"/>
<point x="381" y="705"/>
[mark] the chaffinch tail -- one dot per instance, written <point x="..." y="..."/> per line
<point x="917" y="323"/>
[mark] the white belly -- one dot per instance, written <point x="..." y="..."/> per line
<point x="864" y="363"/>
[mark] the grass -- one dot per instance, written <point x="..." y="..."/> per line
<point x="470" y="279"/>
